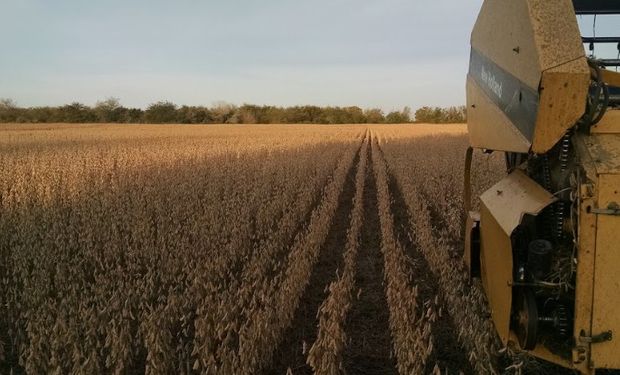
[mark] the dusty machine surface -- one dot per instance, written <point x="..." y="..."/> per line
<point x="546" y="239"/>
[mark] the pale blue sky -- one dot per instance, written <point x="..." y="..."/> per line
<point x="385" y="53"/>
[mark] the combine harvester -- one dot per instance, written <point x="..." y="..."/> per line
<point x="546" y="241"/>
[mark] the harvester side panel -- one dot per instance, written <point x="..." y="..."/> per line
<point x="605" y="317"/>
<point x="528" y="60"/>
<point x="493" y="126"/>
<point x="495" y="255"/>
<point x="503" y="207"/>
<point x="604" y="149"/>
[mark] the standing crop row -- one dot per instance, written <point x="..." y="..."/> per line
<point x="410" y="325"/>
<point x="278" y="300"/>
<point x="325" y="355"/>
<point x="113" y="239"/>
<point x="441" y="158"/>
<point x="432" y="176"/>
<point x="227" y="301"/>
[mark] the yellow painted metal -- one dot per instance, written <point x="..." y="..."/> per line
<point x="556" y="33"/>
<point x="583" y="295"/>
<point x="561" y="104"/>
<point x="502" y="210"/>
<point x="584" y="289"/>
<point x="527" y="37"/>
<point x="611" y="77"/>
<point x="541" y="352"/>
<point x="597" y="292"/>
<point x="513" y="197"/>
<point x="606" y="303"/>
<point x="609" y="124"/>
<point x="496" y="271"/>
<point x="604" y="149"/>
<point x="493" y="128"/>
<point x="538" y="42"/>
<point x="502" y="26"/>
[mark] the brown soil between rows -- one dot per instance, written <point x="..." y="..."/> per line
<point x="367" y="326"/>
<point x="447" y="353"/>
<point x="299" y="337"/>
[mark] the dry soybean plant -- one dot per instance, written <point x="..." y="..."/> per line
<point x="433" y="176"/>
<point x="275" y="299"/>
<point x="188" y="249"/>
<point x="411" y="327"/>
<point x="325" y="355"/>
<point x="114" y="238"/>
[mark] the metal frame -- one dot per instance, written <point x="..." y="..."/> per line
<point x="596" y="6"/>
<point x="601" y="39"/>
<point x="610" y="62"/>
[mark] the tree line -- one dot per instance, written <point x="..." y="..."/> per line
<point x="111" y="111"/>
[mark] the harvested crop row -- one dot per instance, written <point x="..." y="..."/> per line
<point x="411" y="327"/>
<point x="249" y="346"/>
<point x="464" y="303"/>
<point x="325" y="355"/>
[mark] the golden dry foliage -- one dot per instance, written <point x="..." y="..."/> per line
<point x="118" y="242"/>
<point x="432" y="191"/>
<point x="187" y="249"/>
<point x="325" y="355"/>
<point x="249" y="341"/>
<point x="411" y="327"/>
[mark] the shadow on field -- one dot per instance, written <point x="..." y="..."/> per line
<point x="455" y="241"/>
<point x="299" y="337"/>
<point x="367" y="327"/>
<point x="447" y="353"/>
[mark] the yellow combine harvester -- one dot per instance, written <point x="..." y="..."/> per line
<point x="546" y="242"/>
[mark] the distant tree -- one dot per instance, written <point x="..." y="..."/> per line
<point x="75" y="113"/>
<point x="184" y="115"/>
<point x="438" y="115"/>
<point x="8" y="110"/>
<point x="406" y="114"/>
<point x="355" y="115"/>
<point x="334" y="115"/>
<point x="132" y="115"/>
<point x="374" y="116"/>
<point x="201" y="115"/>
<point x="108" y="110"/>
<point x="7" y="103"/>
<point x="401" y="117"/>
<point x="424" y="114"/>
<point x="223" y="112"/>
<point x="456" y="114"/>
<point x="43" y="115"/>
<point x="394" y="117"/>
<point x="271" y="115"/>
<point x="249" y="114"/>
<point x="161" y="113"/>
<point x="308" y="114"/>
<point x="193" y="115"/>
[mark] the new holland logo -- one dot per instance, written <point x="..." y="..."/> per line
<point x="494" y="85"/>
